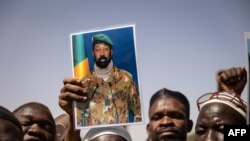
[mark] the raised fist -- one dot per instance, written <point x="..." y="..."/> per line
<point x="233" y="79"/>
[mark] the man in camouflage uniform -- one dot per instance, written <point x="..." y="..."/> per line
<point x="109" y="93"/>
<point x="112" y="94"/>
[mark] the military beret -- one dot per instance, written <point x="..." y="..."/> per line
<point x="102" y="38"/>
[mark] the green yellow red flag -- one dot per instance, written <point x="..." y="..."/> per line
<point x="80" y="58"/>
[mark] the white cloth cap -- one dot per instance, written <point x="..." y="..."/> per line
<point x="114" y="130"/>
<point x="229" y="99"/>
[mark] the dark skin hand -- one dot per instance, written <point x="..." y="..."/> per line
<point x="71" y="91"/>
<point x="233" y="79"/>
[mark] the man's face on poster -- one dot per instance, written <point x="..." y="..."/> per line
<point x="102" y="54"/>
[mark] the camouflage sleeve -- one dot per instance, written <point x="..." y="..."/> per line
<point x="89" y="84"/>
<point x="134" y="101"/>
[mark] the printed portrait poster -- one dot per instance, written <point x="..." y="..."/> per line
<point x="105" y="62"/>
<point x="247" y="42"/>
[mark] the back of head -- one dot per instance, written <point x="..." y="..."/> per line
<point x="116" y="130"/>
<point x="166" y="93"/>
<point x="7" y="115"/>
<point x="62" y="126"/>
<point x="10" y="128"/>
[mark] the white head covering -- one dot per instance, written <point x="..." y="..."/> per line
<point x="230" y="99"/>
<point x="116" y="130"/>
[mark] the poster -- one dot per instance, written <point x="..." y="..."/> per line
<point x="105" y="61"/>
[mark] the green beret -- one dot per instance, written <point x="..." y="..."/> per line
<point x="102" y="38"/>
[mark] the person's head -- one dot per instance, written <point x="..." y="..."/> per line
<point x="62" y="126"/>
<point x="10" y="128"/>
<point x="116" y="133"/>
<point x="169" y="116"/>
<point x="217" y="110"/>
<point x="37" y="121"/>
<point x="102" y="50"/>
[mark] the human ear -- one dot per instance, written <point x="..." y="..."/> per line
<point x="148" y="129"/>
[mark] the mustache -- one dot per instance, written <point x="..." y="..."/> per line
<point x="102" y="57"/>
<point x="166" y="129"/>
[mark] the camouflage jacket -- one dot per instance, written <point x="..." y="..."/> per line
<point x="110" y="102"/>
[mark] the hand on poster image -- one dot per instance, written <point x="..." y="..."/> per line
<point x="233" y="79"/>
<point x="71" y="91"/>
<point x="76" y="90"/>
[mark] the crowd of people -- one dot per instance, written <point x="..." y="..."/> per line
<point x="115" y="99"/>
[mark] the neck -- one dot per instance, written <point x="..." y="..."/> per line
<point x="103" y="72"/>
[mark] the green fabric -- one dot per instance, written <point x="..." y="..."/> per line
<point x="102" y="38"/>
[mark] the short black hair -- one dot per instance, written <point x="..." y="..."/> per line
<point x="166" y="93"/>
<point x="8" y="115"/>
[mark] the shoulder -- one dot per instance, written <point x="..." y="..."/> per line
<point x="123" y="72"/>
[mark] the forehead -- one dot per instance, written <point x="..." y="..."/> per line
<point x="215" y="109"/>
<point x="167" y="104"/>
<point x="98" y="45"/>
<point x="35" y="112"/>
<point x="214" y="112"/>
